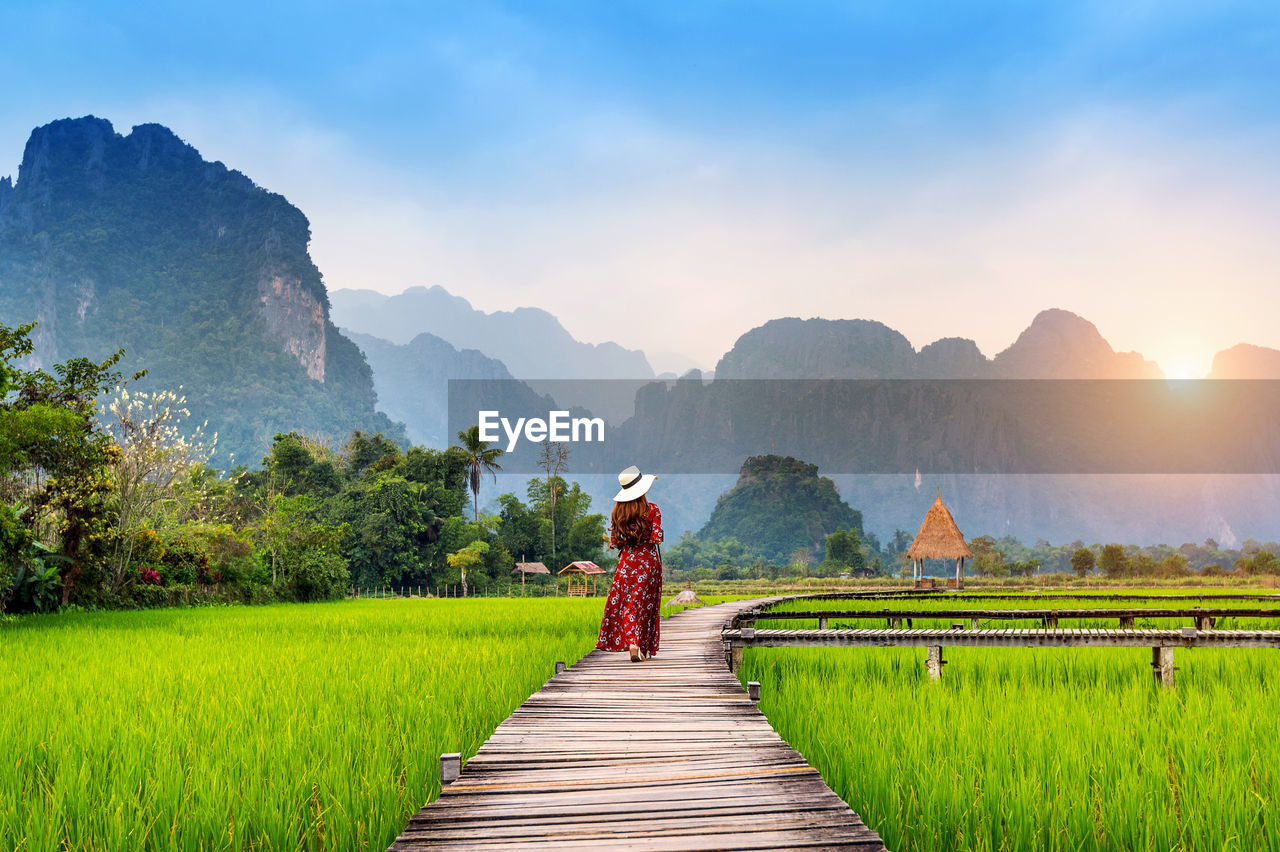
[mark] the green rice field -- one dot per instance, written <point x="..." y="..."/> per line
<point x="318" y="726"/>
<point x="1021" y="748"/>
<point x="313" y="726"/>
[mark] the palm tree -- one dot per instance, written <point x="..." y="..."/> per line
<point x="481" y="458"/>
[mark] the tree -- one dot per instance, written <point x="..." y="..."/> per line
<point x="1174" y="565"/>
<point x="1261" y="562"/>
<point x="1082" y="561"/>
<point x="52" y="443"/>
<point x="987" y="560"/>
<point x="1113" y="562"/>
<point x="844" y="547"/>
<point x="306" y="554"/>
<point x="480" y="458"/>
<point x="154" y="452"/>
<point x="468" y="557"/>
<point x="554" y="460"/>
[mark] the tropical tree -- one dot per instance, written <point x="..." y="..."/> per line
<point x="988" y="560"/>
<point x="481" y="459"/>
<point x="554" y="460"/>
<point x="1114" y="562"/>
<point x="1082" y="561"/>
<point x="468" y="557"/>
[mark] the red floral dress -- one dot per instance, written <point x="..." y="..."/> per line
<point x="633" y="608"/>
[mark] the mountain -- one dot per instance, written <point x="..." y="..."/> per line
<point x="1246" y="361"/>
<point x="203" y="277"/>
<point x="1060" y="345"/>
<point x="531" y="342"/>
<point x="1057" y="345"/>
<point x="777" y="506"/>
<point x="1051" y="439"/>
<point x="412" y="383"/>
<point x="793" y="348"/>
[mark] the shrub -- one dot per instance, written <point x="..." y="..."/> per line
<point x="229" y="557"/>
<point x="318" y="575"/>
<point x="183" y="562"/>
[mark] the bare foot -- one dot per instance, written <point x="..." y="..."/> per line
<point x="635" y="653"/>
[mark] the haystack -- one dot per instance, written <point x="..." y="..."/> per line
<point x="939" y="538"/>
<point x="687" y="598"/>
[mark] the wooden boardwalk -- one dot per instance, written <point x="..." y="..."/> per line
<point x="1187" y="637"/>
<point x="665" y="754"/>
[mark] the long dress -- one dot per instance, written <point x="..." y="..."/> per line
<point x="633" y="609"/>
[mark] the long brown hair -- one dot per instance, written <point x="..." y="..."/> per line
<point x="631" y="522"/>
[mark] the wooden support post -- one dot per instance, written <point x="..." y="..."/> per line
<point x="735" y="658"/>
<point x="822" y="622"/>
<point x="1126" y="622"/>
<point x="753" y="690"/>
<point x="933" y="662"/>
<point x="748" y="627"/>
<point x="1162" y="665"/>
<point x="973" y="624"/>
<point x="450" y="768"/>
<point x="896" y="623"/>
<point x="560" y="667"/>
<point x="1204" y="622"/>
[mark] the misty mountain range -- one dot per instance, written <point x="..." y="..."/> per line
<point x="204" y="278"/>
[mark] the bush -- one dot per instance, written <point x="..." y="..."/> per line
<point x="229" y="557"/>
<point x="184" y="562"/>
<point x="318" y="575"/>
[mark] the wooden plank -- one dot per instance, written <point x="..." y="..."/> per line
<point x="696" y="766"/>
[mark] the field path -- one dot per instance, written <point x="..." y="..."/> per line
<point x="665" y="754"/>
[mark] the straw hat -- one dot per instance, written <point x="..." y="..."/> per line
<point x="634" y="484"/>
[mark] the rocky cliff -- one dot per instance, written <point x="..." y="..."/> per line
<point x="203" y="277"/>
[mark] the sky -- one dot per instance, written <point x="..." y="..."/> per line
<point x="669" y="175"/>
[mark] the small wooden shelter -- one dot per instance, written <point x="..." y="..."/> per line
<point x="939" y="538"/>
<point x="580" y="573"/>
<point x="527" y="568"/>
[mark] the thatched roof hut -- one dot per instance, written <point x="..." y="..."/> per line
<point x="524" y="569"/>
<point x="939" y="538"/>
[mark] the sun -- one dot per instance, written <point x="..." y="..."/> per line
<point x="1183" y="369"/>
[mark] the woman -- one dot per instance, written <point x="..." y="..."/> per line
<point x="633" y="608"/>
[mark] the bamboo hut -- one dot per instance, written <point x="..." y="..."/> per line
<point x="939" y="538"/>
<point x="527" y="568"/>
<point x="579" y="575"/>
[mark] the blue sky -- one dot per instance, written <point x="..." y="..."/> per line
<point x="697" y="168"/>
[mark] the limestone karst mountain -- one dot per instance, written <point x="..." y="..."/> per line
<point x="203" y="277"/>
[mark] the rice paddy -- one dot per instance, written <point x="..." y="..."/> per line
<point x="313" y="726"/>
<point x="319" y="726"/>
<point x="1016" y="748"/>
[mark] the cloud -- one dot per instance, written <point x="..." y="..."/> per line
<point x="631" y="231"/>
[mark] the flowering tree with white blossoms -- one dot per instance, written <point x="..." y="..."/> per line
<point x="155" y="451"/>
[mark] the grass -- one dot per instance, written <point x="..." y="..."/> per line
<point x="1061" y="749"/>
<point x="319" y="727"/>
<point x="287" y="727"/>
